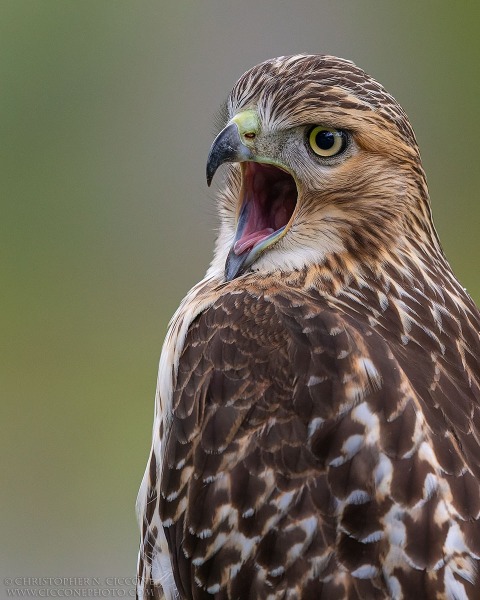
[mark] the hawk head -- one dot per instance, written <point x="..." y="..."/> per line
<point x="324" y="163"/>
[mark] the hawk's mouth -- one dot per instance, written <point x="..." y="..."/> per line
<point x="269" y="197"/>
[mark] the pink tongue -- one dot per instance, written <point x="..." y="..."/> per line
<point x="249" y="241"/>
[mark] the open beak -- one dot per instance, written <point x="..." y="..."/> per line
<point x="267" y="202"/>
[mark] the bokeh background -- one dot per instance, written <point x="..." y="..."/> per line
<point x="106" y="117"/>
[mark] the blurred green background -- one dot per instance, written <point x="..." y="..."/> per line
<point x="106" y="117"/>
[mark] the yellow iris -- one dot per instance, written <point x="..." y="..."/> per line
<point x="326" y="142"/>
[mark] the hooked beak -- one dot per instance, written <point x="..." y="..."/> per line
<point x="268" y="196"/>
<point x="227" y="147"/>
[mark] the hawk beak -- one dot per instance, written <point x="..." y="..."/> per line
<point x="227" y="147"/>
<point x="268" y="196"/>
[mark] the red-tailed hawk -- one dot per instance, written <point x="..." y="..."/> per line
<point x="317" y="427"/>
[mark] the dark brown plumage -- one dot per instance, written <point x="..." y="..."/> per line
<point x="317" y="430"/>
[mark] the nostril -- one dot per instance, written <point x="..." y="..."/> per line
<point x="250" y="135"/>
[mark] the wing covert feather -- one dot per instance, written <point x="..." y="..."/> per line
<point x="298" y="451"/>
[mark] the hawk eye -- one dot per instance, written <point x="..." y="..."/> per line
<point x="326" y="142"/>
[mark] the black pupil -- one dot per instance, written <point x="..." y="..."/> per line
<point x="325" y="139"/>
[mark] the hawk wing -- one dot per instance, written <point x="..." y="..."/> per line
<point x="310" y="458"/>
